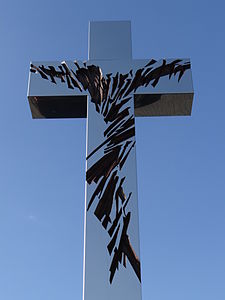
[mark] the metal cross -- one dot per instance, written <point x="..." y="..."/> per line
<point x="110" y="89"/>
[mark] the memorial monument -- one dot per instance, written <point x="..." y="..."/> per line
<point x="110" y="89"/>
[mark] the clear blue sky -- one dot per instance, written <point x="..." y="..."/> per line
<point x="181" y="164"/>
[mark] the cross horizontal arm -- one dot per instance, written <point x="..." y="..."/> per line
<point x="60" y="89"/>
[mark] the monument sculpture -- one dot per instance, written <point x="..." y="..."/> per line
<point x="110" y="89"/>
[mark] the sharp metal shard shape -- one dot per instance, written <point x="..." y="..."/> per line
<point x="118" y="88"/>
<point x="91" y="79"/>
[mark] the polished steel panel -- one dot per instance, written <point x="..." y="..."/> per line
<point x="175" y="94"/>
<point x="110" y="40"/>
<point x="125" y="283"/>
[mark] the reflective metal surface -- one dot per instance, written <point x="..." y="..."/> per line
<point x="110" y="40"/>
<point x="175" y="93"/>
<point x="109" y="89"/>
<point x="98" y="261"/>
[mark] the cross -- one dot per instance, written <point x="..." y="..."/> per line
<point x="110" y="89"/>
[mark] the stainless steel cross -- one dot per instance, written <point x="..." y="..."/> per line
<point x="117" y="88"/>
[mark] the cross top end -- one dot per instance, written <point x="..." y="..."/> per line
<point x="110" y="40"/>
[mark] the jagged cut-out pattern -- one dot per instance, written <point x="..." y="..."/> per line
<point x="111" y="96"/>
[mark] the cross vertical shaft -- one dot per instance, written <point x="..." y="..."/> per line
<point x="111" y="221"/>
